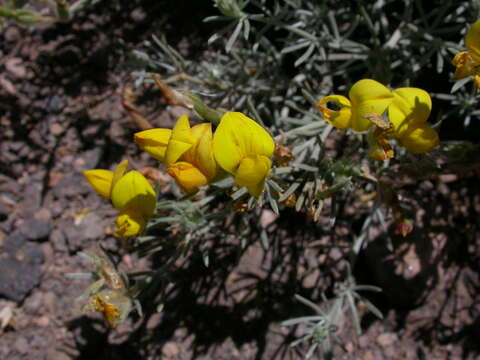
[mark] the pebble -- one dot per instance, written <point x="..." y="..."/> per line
<point x="56" y="104"/>
<point x="4" y="211"/>
<point x="11" y="34"/>
<point x="20" y="262"/>
<point x="170" y="350"/>
<point x="91" y="228"/>
<point x="42" y="321"/>
<point x="386" y="339"/>
<point x="35" y="229"/>
<point x="16" y="67"/>
<point x="58" y="241"/>
<point x="33" y="302"/>
<point x="21" y="345"/>
<point x="56" y="129"/>
<point x="71" y="185"/>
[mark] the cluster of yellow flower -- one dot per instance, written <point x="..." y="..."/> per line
<point x="467" y="63"/>
<point x="408" y="110"/>
<point x="194" y="157"/>
<point x="131" y="194"/>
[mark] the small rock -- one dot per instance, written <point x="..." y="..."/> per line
<point x="58" y="241"/>
<point x="39" y="340"/>
<point x="15" y="241"/>
<point x="91" y="228"/>
<point x="4" y="211"/>
<point x="33" y="302"/>
<point x="363" y="341"/>
<point x="154" y="321"/>
<point x="91" y="158"/>
<point x="42" y="321"/>
<point x="138" y="15"/>
<point x="32" y="198"/>
<point x="8" y="86"/>
<point x="447" y="178"/>
<point x="43" y="214"/>
<point x="15" y="66"/>
<point x="35" y="229"/>
<point x="56" y="355"/>
<point x="3" y="237"/>
<point x="368" y="356"/>
<point x="50" y="301"/>
<point x="56" y="129"/>
<point x="21" y="345"/>
<point x="20" y="262"/>
<point x="386" y="339"/>
<point x="267" y="218"/>
<point x="170" y="350"/>
<point x="11" y="34"/>
<point x="71" y="185"/>
<point x="56" y="104"/>
<point x="311" y="280"/>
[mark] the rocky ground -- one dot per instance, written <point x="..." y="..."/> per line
<point x="60" y="114"/>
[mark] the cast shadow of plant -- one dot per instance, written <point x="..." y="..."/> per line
<point x="431" y="275"/>
<point x="242" y="296"/>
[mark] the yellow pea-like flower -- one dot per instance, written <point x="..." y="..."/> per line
<point x="129" y="224"/>
<point x="187" y="152"/>
<point x="180" y="141"/>
<point x="467" y="63"/>
<point x="341" y="118"/>
<point x="420" y="139"/>
<point x="100" y="180"/>
<point x="410" y="106"/>
<point x="243" y="148"/>
<point x="131" y="194"/>
<point x="366" y="97"/>
<point x="154" y="142"/>
<point x="408" y="114"/>
<point x="187" y="176"/>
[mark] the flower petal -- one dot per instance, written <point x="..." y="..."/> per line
<point x="180" y="141"/>
<point x="410" y="107"/>
<point x="154" y="142"/>
<point x="341" y="118"/>
<point x="465" y="65"/>
<point x="237" y="137"/>
<point x="368" y="97"/>
<point x="420" y="139"/>
<point x="129" y="224"/>
<point x="201" y="154"/>
<point x="118" y="173"/>
<point x="100" y="180"/>
<point x="379" y="146"/>
<point x="187" y="176"/>
<point x="133" y="193"/>
<point x="252" y="172"/>
<point x="472" y="40"/>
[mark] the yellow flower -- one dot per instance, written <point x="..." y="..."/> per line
<point x="186" y="151"/>
<point x="366" y="97"/>
<point x="109" y="311"/>
<point x="467" y="63"/>
<point x="131" y="194"/>
<point x="408" y="114"/>
<point x="113" y="305"/>
<point x="154" y="142"/>
<point x="243" y="148"/>
<point x="380" y="148"/>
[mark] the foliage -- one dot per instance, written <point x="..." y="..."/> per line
<point x="27" y="11"/>
<point x="274" y="61"/>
